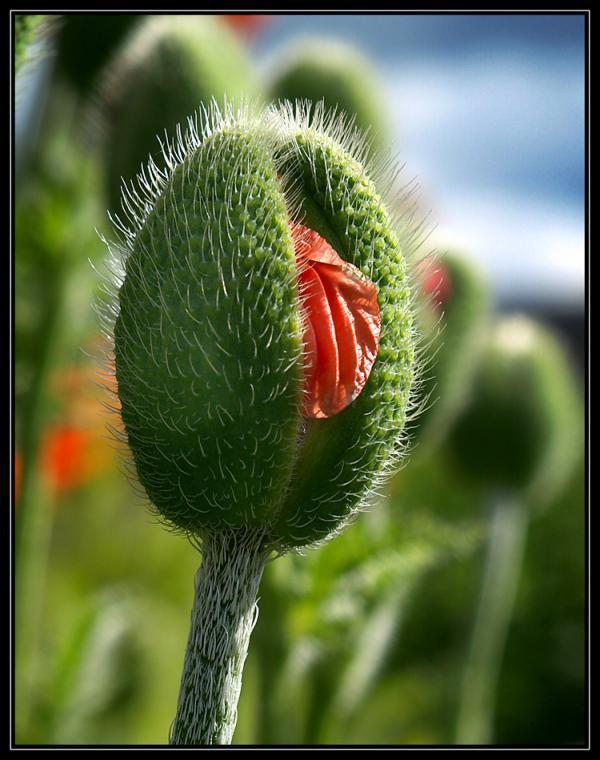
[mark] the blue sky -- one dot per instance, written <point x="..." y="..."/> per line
<point x="488" y="113"/>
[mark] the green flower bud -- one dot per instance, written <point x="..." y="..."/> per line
<point x="453" y="320"/>
<point x="218" y="341"/>
<point x="208" y="340"/>
<point x="165" y="71"/>
<point x="520" y="428"/>
<point x="340" y="76"/>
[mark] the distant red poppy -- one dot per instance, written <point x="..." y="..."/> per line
<point x="246" y="24"/>
<point x="435" y="281"/>
<point x="74" y="449"/>
<point x="341" y="325"/>
<point x="66" y="457"/>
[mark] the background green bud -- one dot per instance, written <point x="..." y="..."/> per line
<point x="340" y="76"/>
<point x="166" y="71"/>
<point x="517" y="439"/>
<point x="519" y="430"/>
<point x="453" y="320"/>
<point x="85" y="43"/>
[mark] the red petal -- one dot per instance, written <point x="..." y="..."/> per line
<point x="342" y="325"/>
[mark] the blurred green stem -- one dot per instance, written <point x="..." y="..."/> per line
<point x="33" y="524"/>
<point x="33" y="409"/>
<point x="361" y="672"/>
<point x="506" y="543"/>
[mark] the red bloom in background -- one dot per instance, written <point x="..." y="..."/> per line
<point x="435" y="281"/>
<point x="75" y="448"/>
<point x="341" y="325"/>
<point x="66" y="460"/>
<point x="246" y="24"/>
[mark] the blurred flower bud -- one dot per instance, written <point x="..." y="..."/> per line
<point x="520" y="428"/>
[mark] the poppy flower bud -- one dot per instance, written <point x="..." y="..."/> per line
<point x="519" y="430"/>
<point x="263" y="349"/>
<point x="453" y="318"/>
<point x="263" y="346"/>
<point x="166" y="68"/>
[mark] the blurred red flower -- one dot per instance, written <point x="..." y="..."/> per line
<point x="248" y="24"/>
<point x="66" y="457"/>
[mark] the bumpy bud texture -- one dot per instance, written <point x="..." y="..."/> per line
<point x="519" y="430"/>
<point x="337" y="73"/>
<point x="165" y="71"/>
<point x="233" y="417"/>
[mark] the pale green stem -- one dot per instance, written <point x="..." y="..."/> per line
<point x="506" y="544"/>
<point x="223" y="616"/>
<point x="365" y="665"/>
<point x="34" y="517"/>
<point x="30" y="582"/>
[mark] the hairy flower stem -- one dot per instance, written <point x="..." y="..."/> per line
<point x="223" y="617"/>
<point x="506" y="544"/>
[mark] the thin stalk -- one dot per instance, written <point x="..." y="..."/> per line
<point x="506" y="544"/>
<point x="361" y="672"/>
<point x="34" y="517"/>
<point x="29" y="606"/>
<point x="223" y="616"/>
<point x="33" y="409"/>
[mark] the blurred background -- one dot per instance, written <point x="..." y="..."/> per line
<point x="453" y="611"/>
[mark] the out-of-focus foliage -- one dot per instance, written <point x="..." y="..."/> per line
<point x="333" y="614"/>
<point x="55" y="242"/>
<point x="86" y="42"/>
<point x="26" y="26"/>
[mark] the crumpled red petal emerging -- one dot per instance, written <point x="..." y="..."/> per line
<point x="341" y="325"/>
